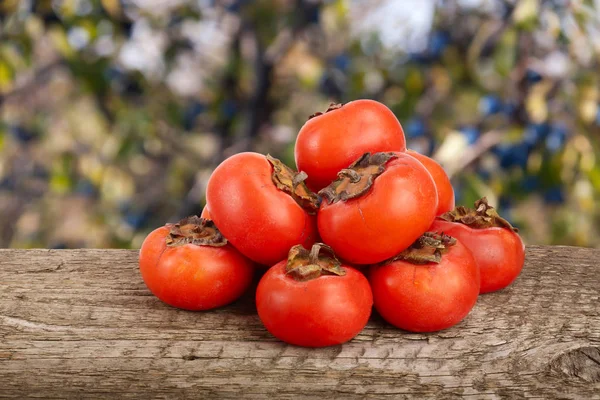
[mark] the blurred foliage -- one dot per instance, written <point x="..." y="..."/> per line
<point x="113" y="113"/>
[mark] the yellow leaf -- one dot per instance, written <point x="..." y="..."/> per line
<point x="60" y="41"/>
<point x="12" y="57"/>
<point x="536" y="107"/>
<point x="60" y="183"/>
<point x="113" y="7"/>
<point x="526" y="12"/>
<point x="441" y="80"/>
<point x="34" y="26"/>
<point x="68" y="7"/>
<point x="588" y="110"/>
<point x="6" y="75"/>
<point x="9" y="6"/>
<point x="414" y="81"/>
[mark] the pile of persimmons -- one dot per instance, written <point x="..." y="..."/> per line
<point x="365" y="222"/>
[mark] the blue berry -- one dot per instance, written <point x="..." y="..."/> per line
<point x="530" y="183"/>
<point x="490" y="104"/>
<point x="458" y="193"/>
<point x="228" y="108"/>
<point x="484" y="174"/>
<point x="419" y="58"/>
<point x="422" y="145"/>
<point x="535" y="133"/>
<point x="86" y="188"/>
<point x="8" y="183"/>
<point x="556" y="138"/>
<point x="124" y="206"/>
<point x="471" y="133"/>
<point x="521" y="153"/>
<point x="312" y="13"/>
<point x="341" y="62"/>
<point x="22" y="134"/>
<point x="329" y="85"/>
<point x="504" y="203"/>
<point x="511" y="155"/>
<point x="532" y="76"/>
<point x="501" y="149"/>
<point x="438" y="42"/>
<point x="136" y="219"/>
<point x="113" y="73"/>
<point x="510" y="109"/>
<point x="234" y="6"/>
<point x="554" y="195"/>
<point x="414" y="128"/>
<point x="191" y="113"/>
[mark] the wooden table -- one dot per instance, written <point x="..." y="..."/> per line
<point x="81" y="323"/>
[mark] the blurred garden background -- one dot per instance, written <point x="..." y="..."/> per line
<point x="113" y="113"/>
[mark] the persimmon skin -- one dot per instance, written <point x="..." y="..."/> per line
<point x="257" y="218"/>
<point x="499" y="252"/>
<point x="330" y="142"/>
<point x="442" y="182"/>
<point x="324" y="311"/>
<point x="193" y="277"/>
<point x="205" y="213"/>
<point x="429" y="297"/>
<point x="398" y="208"/>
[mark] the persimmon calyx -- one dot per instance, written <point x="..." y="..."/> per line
<point x="292" y="183"/>
<point x="195" y="230"/>
<point x="428" y="248"/>
<point x="304" y="265"/>
<point x="358" y="178"/>
<point x="332" y="106"/>
<point x="482" y="216"/>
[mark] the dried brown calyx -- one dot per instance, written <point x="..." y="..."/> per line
<point x="482" y="216"/>
<point x="292" y="183"/>
<point x="304" y="265"/>
<point x="426" y="249"/>
<point x="197" y="231"/>
<point x="332" y="106"/>
<point x="358" y="178"/>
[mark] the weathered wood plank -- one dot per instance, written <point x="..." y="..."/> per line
<point x="80" y="323"/>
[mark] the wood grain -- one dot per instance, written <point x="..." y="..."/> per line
<point x="81" y="323"/>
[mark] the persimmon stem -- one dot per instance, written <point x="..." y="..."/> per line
<point x="480" y="217"/>
<point x="314" y="254"/>
<point x="428" y="248"/>
<point x="303" y="265"/>
<point x="332" y="106"/>
<point x="299" y="178"/>
<point x="292" y="183"/>
<point x="358" y="178"/>
<point x="350" y="174"/>
<point x="195" y="230"/>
